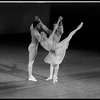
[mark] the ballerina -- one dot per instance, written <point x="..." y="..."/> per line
<point x="57" y="51"/>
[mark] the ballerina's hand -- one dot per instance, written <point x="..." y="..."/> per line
<point x="60" y="18"/>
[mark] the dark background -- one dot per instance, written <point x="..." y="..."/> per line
<point x="16" y="18"/>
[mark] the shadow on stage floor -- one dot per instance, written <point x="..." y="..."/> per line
<point x="79" y="75"/>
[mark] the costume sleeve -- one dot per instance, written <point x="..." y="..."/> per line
<point x="48" y="31"/>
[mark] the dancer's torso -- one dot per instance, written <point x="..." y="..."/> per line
<point x="35" y="33"/>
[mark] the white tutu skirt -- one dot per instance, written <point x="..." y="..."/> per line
<point x="59" y="54"/>
<point x="53" y="58"/>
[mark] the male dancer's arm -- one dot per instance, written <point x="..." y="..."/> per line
<point x="35" y="33"/>
<point x="48" y="31"/>
<point x="41" y="39"/>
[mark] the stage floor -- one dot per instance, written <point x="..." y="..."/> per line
<point x="79" y="75"/>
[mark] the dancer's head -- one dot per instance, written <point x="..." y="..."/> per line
<point x="36" y="24"/>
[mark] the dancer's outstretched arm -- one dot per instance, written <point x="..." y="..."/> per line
<point x="43" y="26"/>
<point x="55" y="28"/>
<point x="61" y="28"/>
<point x="59" y="32"/>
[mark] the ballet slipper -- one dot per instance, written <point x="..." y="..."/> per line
<point x="55" y="79"/>
<point x="49" y="78"/>
<point x="32" y="78"/>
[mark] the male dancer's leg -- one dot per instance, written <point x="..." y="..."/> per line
<point x="51" y="73"/>
<point x="32" y="55"/>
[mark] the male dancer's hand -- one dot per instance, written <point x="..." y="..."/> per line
<point x="37" y="18"/>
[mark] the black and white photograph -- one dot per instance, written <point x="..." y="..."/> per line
<point x="49" y="49"/>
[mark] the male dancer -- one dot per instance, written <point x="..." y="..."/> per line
<point x="38" y="37"/>
<point x="35" y="27"/>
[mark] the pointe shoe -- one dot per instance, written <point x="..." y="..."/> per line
<point x="32" y="79"/>
<point x="55" y="79"/>
<point x="49" y="78"/>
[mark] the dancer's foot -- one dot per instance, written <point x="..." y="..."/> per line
<point x="32" y="78"/>
<point x="49" y="78"/>
<point x="55" y="79"/>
